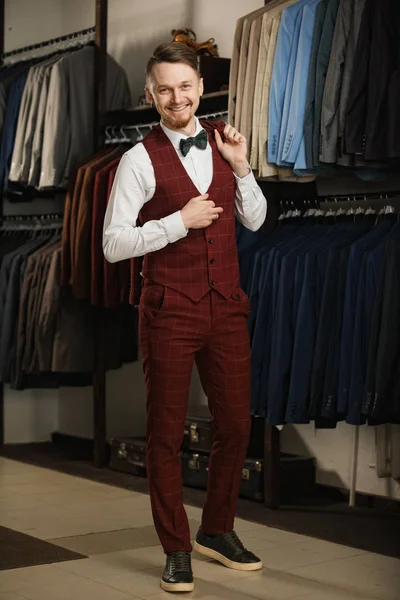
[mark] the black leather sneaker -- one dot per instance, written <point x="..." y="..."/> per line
<point x="178" y="575"/>
<point x="228" y="550"/>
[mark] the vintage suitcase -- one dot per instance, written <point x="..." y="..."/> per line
<point x="297" y="476"/>
<point x="195" y="473"/>
<point x="199" y="433"/>
<point x="128" y="455"/>
<point x="198" y="430"/>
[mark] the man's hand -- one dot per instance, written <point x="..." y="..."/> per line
<point x="234" y="150"/>
<point x="200" y="212"/>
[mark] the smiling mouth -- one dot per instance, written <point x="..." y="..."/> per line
<point x="178" y="108"/>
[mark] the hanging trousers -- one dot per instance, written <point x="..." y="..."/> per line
<point x="176" y="332"/>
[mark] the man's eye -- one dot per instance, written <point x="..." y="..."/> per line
<point x="186" y="86"/>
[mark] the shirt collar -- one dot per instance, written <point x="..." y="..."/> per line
<point x="175" y="137"/>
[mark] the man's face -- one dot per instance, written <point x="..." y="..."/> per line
<point x="175" y="90"/>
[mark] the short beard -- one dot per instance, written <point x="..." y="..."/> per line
<point x="178" y="123"/>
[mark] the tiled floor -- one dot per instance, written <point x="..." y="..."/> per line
<point x="114" y="528"/>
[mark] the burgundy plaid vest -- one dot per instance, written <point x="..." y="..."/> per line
<point x="207" y="258"/>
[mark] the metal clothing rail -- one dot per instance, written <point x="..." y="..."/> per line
<point x="51" y="42"/>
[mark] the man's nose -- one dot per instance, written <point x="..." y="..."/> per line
<point x="177" y="96"/>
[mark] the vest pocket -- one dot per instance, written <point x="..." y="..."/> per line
<point x="241" y="298"/>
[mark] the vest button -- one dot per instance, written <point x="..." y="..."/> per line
<point x="212" y="261"/>
<point x="212" y="283"/>
<point x="210" y="241"/>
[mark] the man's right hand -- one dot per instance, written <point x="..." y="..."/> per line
<point x="200" y="212"/>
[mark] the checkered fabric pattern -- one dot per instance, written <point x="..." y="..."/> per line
<point x="206" y="257"/>
<point x="192" y="310"/>
<point x="213" y="333"/>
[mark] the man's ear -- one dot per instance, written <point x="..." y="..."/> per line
<point x="149" y="95"/>
<point x="201" y="86"/>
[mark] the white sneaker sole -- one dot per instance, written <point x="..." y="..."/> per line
<point x="177" y="587"/>
<point x="225" y="561"/>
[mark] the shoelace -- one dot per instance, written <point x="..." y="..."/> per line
<point x="233" y="539"/>
<point x="180" y="561"/>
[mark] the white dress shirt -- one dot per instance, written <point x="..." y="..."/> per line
<point x="135" y="184"/>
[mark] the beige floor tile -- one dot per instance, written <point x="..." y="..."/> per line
<point x="270" y="585"/>
<point x="90" y="497"/>
<point x="82" y="590"/>
<point x="205" y="591"/>
<point x="18" y="580"/>
<point x="255" y="544"/>
<point x="378" y="562"/>
<point x="331" y="594"/>
<point x="112" y="541"/>
<point x="279" y="537"/>
<point x="153" y="556"/>
<point x="211" y="571"/>
<point x="140" y="583"/>
<point x="101" y="565"/>
<point x="20" y="503"/>
<point x="10" y="596"/>
<point x="242" y="525"/>
<point x="284" y="558"/>
<point x="358" y="579"/>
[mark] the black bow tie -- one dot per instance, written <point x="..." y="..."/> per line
<point x="200" y="141"/>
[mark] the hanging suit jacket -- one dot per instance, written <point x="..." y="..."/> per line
<point x="293" y="145"/>
<point x="234" y="69"/>
<point x="323" y="59"/>
<point x="68" y="130"/>
<point x="100" y="200"/>
<point x="311" y="80"/>
<point x="269" y="34"/>
<point x="35" y="160"/>
<point x="71" y="209"/>
<point x="339" y="120"/>
<point x="333" y="84"/>
<point x="248" y="90"/>
<point x="81" y="235"/>
<point x="356" y="112"/>
<point x="248" y="68"/>
<point x="28" y="121"/>
<point x="282" y="74"/>
<point x="382" y="125"/>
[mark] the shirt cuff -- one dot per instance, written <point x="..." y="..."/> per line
<point x="174" y="227"/>
<point x="246" y="183"/>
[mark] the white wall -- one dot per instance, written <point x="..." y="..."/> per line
<point x="135" y="28"/>
<point x="333" y="449"/>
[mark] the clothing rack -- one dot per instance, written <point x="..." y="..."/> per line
<point x="46" y="43"/>
<point x="32" y="221"/>
<point x="100" y="80"/>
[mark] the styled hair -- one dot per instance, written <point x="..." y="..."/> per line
<point x="174" y="52"/>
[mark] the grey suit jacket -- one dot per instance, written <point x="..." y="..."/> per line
<point x="333" y="84"/>
<point x="68" y="130"/>
<point x="35" y="161"/>
<point x="324" y="53"/>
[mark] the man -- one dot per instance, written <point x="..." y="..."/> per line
<point x="186" y="182"/>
